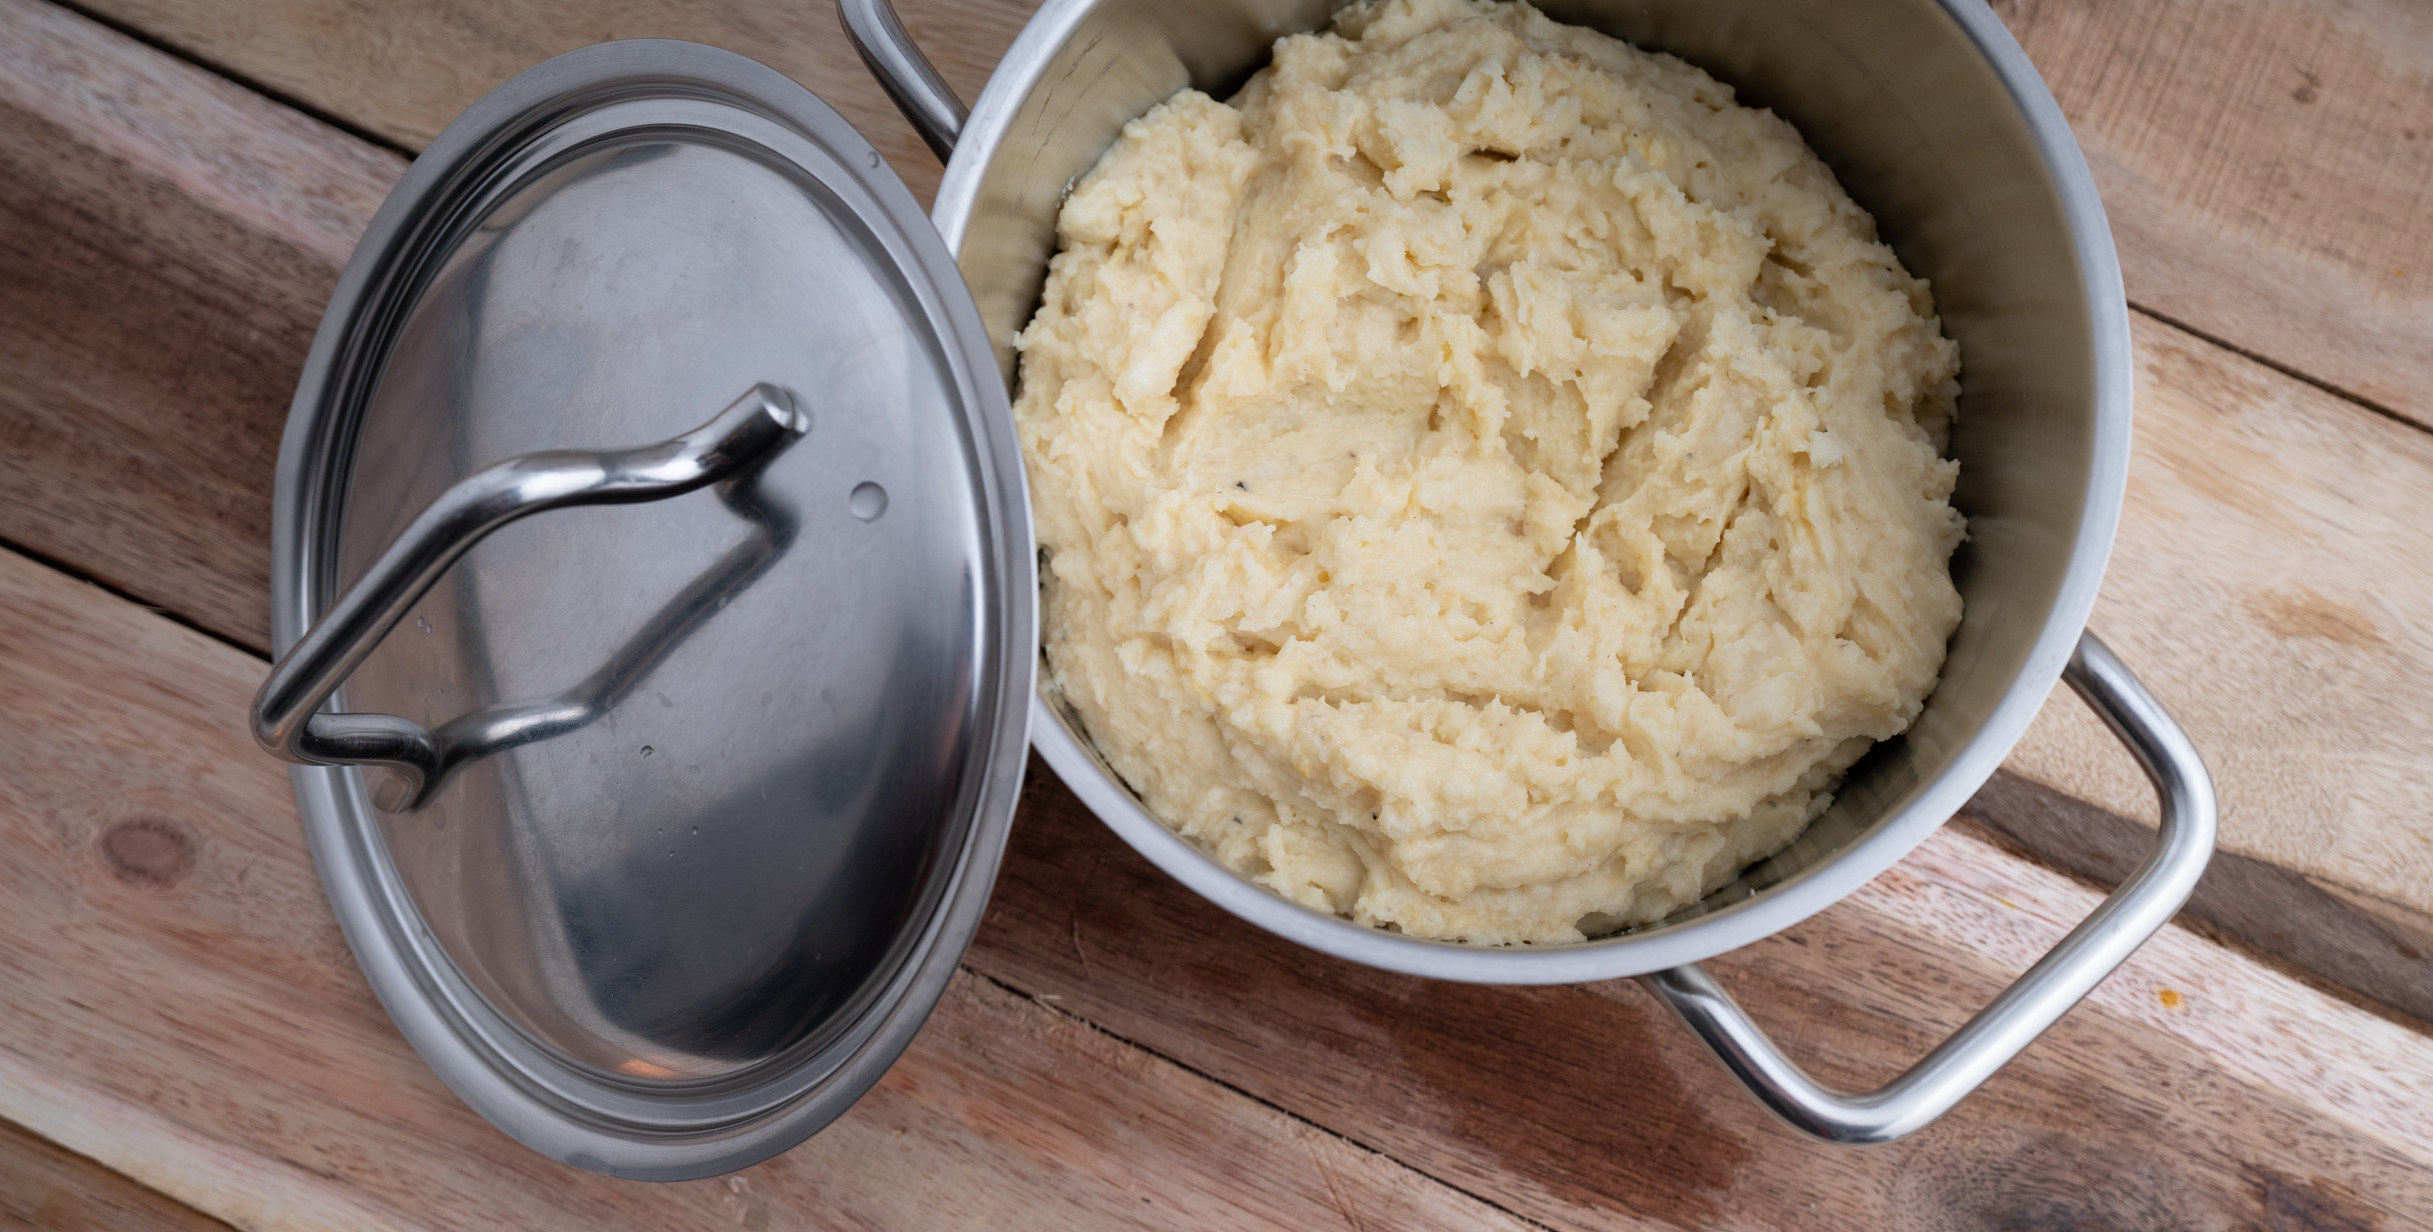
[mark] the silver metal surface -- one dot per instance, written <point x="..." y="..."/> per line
<point x="743" y="435"/>
<point x="2142" y="904"/>
<point x="909" y="78"/>
<point x="747" y="754"/>
<point x="1935" y="122"/>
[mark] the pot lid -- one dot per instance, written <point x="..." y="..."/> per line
<point x="706" y="765"/>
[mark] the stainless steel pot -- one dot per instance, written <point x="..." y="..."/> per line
<point x="684" y="816"/>
<point x="1935" y="122"/>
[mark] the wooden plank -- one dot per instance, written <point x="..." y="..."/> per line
<point x="2217" y="437"/>
<point x="402" y="71"/>
<point x="2265" y="164"/>
<point x="176" y="1001"/>
<point x="167" y="240"/>
<point x="1422" y="1070"/>
<point x="2197" y="1089"/>
<point x="2341" y="810"/>
<point x="2268" y="550"/>
<point x="2270" y="584"/>
<point x="2345" y="943"/>
<point x="2370" y="1073"/>
<point x="44" y="1187"/>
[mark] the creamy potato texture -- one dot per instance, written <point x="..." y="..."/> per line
<point x="1491" y="481"/>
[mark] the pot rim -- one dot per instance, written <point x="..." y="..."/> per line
<point x="1778" y="906"/>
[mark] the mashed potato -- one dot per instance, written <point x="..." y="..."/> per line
<point x="1491" y="481"/>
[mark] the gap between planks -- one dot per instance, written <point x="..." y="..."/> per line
<point x="189" y="1015"/>
<point x="45" y="1186"/>
<point x="233" y="75"/>
<point x="1984" y="907"/>
<point x="115" y="1130"/>
<point x="1048" y="1002"/>
<point x="171" y="615"/>
<point x="287" y="178"/>
<point x="2357" y="400"/>
<point x="2263" y="161"/>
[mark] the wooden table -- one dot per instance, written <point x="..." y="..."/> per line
<point x="184" y="1039"/>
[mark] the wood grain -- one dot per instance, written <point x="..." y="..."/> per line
<point x="2270" y="584"/>
<point x="2267" y="582"/>
<point x="45" y="1188"/>
<point x="2371" y="1073"/>
<point x="2268" y="550"/>
<point x="2265" y="164"/>
<point x="176" y="1001"/>
<point x="167" y="240"/>
<point x="1567" y="1104"/>
<point x="2346" y="944"/>
<point x="402" y="71"/>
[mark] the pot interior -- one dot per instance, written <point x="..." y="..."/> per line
<point x="1900" y="100"/>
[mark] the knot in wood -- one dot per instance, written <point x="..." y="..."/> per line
<point x="147" y="852"/>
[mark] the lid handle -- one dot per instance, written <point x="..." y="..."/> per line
<point x="285" y="719"/>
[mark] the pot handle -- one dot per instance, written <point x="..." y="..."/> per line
<point x="907" y="75"/>
<point x="2142" y="904"/>
<point x="286" y="718"/>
